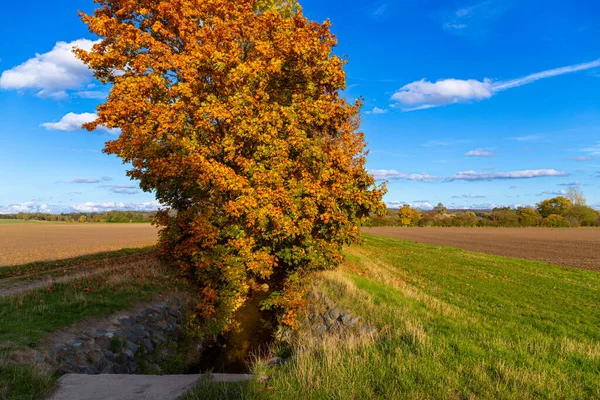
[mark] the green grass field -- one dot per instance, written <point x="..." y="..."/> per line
<point x="452" y="325"/>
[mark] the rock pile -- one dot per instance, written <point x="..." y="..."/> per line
<point x="324" y="317"/>
<point x="338" y="322"/>
<point x="138" y="343"/>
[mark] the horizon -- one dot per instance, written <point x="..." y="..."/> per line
<point x="474" y="104"/>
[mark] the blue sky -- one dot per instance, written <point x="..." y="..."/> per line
<point x="470" y="103"/>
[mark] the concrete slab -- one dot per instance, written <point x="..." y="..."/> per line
<point x="132" y="387"/>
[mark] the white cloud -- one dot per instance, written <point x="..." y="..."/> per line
<point x="528" y="138"/>
<point x="418" y="204"/>
<point x="26" y="207"/>
<point x="554" y="193"/>
<point x="70" y="122"/>
<point x="474" y="19"/>
<point x="484" y="176"/>
<point x="51" y="73"/>
<point x="49" y="94"/>
<point x="113" y="206"/>
<point x="92" y="94"/>
<point x="377" y="111"/>
<point x="385" y="174"/>
<point x="570" y="184"/>
<point x="122" y="189"/>
<point x="73" y="122"/>
<point x="80" y="207"/>
<point x="424" y="94"/>
<point x="479" y="153"/>
<point x="594" y="150"/>
<point x="456" y="26"/>
<point x="499" y="86"/>
<point x="581" y="158"/>
<point x="427" y="94"/>
<point x="380" y="11"/>
<point x="442" y="143"/>
<point x="84" y="180"/>
<point x="469" y="196"/>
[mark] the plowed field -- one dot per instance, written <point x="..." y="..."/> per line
<point x="24" y="243"/>
<point x="578" y="248"/>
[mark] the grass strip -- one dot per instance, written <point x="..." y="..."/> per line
<point x="38" y="268"/>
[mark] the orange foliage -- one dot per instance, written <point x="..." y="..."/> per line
<point x="230" y="112"/>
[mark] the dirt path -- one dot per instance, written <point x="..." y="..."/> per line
<point x="10" y="286"/>
<point x="579" y="248"/>
<point x="133" y="387"/>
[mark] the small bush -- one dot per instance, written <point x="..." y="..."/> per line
<point x="555" y="221"/>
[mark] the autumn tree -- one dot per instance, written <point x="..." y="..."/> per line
<point x="408" y="216"/>
<point x="528" y="216"/>
<point x="441" y="209"/>
<point x="557" y="206"/>
<point x="230" y="112"/>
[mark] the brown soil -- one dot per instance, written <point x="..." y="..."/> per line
<point x="24" y="243"/>
<point x="579" y="248"/>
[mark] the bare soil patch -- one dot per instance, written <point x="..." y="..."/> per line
<point x="579" y="248"/>
<point x="25" y="243"/>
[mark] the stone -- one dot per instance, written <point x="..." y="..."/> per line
<point x="155" y="369"/>
<point x="353" y="322"/>
<point x="39" y="358"/>
<point x="328" y="320"/>
<point x="68" y="363"/>
<point x="345" y="319"/>
<point x="155" y="327"/>
<point x="148" y="345"/>
<point x="77" y="345"/>
<point x="109" y="369"/>
<point x="102" y="364"/>
<point x="129" y="354"/>
<point x="109" y="355"/>
<point x="61" y="349"/>
<point x="320" y="330"/>
<point x="159" y="337"/>
<point x="99" y="333"/>
<point x="126" y="321"/>
<point x="85" y="369"/>
<point x="335" y="313"/>
<point x="132" y="346"/>
<point x="275" y="361"/>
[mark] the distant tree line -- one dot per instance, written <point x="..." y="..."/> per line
<point x="80" y="217"/>
<point x="559" y="212"/>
